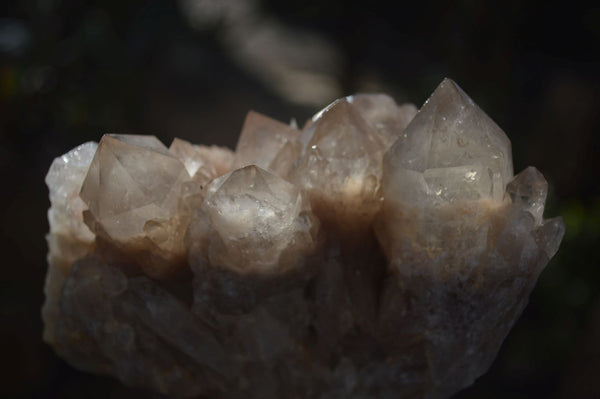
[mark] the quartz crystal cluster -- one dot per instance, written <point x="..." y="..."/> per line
<point x="379" y="252"/>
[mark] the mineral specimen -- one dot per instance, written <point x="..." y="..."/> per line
<point x="379" y="252"/>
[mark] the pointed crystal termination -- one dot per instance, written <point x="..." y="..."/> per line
<point x="528" y="191"/>
<point x="133" y="190"/>
<point x="253" y="233"/>
<point x="341" y="164"/>
<point x="202" y="168"/>
<point x="258" y="222"/>
<point x="382" y="112"/>
<point x="192" y="159"/>
<point x="132" y="179"/>
<point x="448" y="133"/>
<point x="201" y="161"/>
<point x="221" y="158"/>
<point x="267" y="143"/>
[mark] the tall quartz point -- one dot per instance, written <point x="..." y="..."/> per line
<point x="373" y="254"/>
<point x="448" y="232"/>
<point x="451" y="150"/>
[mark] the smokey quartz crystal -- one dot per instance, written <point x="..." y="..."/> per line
<point x="379" y="252"/>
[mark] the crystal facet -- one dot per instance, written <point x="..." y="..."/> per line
<point x="382" y="112"/>
<point x="341" y="163"/>
<point x="192" y="159"/>
<point x="373" y="254"/>
<point x="450" y="131"/>
<point x="528" y="190"/>
<point x="267" y="143"/>
<point x="64" y="179"/>
<point x="133" y="190"/>
<point x="132" y="179"/>
<point x="255" y="217"/>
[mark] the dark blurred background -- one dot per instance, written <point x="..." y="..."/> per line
<point x="72" y="70"/>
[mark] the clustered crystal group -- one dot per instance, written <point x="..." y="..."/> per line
<point x="379" y="252"/>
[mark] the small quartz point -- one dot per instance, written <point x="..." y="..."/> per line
<point x="221" y="158"/>
<point x="375" y="253"/>
<point x="528" y="190"/>
<point x="382" y="112"/>
<point x="194" y="161"/>
<point x="202" y="162"/>
<point x="267" y="143"/>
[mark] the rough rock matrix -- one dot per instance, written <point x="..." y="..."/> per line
<point x="379" y="252"/>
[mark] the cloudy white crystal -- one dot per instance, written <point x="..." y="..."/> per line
<point x="255" y="216"/>
<point x="64" y="179"/>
